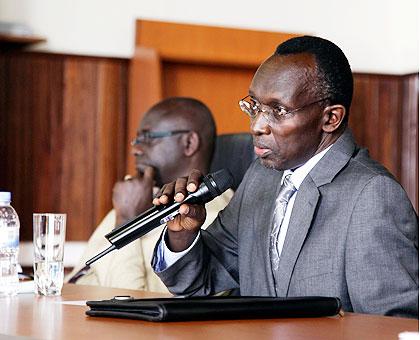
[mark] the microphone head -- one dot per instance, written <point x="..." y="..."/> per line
<point x="222" y="180"/>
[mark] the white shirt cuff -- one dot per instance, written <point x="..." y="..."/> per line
<point x="166" y="257"/>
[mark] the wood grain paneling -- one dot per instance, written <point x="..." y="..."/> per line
<point x="225" y="85"/>
<point x="145" y="89"/>
<point x="208" y="44"/>
<point x="32" y="115"/>
<point x="384" y="118"/>
<point x="63" y="136"/>
<point x="410" y="138"/>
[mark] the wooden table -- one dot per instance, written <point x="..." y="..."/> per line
<point x="49" y="318"/>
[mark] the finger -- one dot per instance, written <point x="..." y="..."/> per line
<point x="180" y="189"/>
<point x="167" y="193"/>
<point x="156" y="200"/>
<point x="149" y="173"/>
<point x="193" y="180"/>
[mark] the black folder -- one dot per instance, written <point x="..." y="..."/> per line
<point x="215" y="308"/>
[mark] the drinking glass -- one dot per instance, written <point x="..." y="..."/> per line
<point x="49" y="237"/>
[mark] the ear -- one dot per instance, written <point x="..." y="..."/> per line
<point x="191" y="143"/>
<point x="333" y="117"/>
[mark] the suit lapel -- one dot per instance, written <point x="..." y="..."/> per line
<point x="305" y="206"/>
<point x="264" y="223"/>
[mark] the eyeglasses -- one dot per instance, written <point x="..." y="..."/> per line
<point x="146" y="137"/>
<point x="251" y="107"/>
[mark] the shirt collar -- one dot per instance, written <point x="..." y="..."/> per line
<point x="299" y="174"/>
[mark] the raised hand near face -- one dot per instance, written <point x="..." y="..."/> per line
<point x="133" y="196"/>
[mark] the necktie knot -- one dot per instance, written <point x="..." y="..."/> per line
<point x="287" y="189"/>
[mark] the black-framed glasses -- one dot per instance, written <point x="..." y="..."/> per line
<point x="272" y="114"/>
<point x="146" y="137"/>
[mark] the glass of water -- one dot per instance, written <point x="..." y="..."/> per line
<point x="49" y="237"/>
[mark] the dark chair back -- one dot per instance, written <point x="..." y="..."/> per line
<point x="234" y="152"/>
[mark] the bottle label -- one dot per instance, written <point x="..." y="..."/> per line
<point x="9" y="237"/>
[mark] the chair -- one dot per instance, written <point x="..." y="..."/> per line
<point x="234" y="152"/>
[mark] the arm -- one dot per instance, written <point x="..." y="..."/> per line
<point x="211" y="265"/>
<point x="382" y="251"/>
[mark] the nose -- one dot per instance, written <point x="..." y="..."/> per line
<point x="260" y="125"/>
<point x="137" y="150"/>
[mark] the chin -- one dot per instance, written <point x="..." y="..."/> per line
<point x="268" y="163"/>
<point x="272" y="164"/>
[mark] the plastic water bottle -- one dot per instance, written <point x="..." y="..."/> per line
<point x="9" y="246"/>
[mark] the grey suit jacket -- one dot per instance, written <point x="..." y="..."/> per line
<point x="353" y="234"/>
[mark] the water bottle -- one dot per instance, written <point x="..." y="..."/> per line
<point x="9" y="246"/>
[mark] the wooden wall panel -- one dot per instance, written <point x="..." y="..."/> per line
<point x="208" y="44"/>
<point x="145" y="89"/>
<point x="79" y="136"/>
<point x="224" y="85"/>
<point x="111" y="132"/>
<point x="384" y="118"/>
<point x="63" y="136"/>
<point x="31" y="112"/>
<point x="3" y="117"/>
<point x="410" y="138"/>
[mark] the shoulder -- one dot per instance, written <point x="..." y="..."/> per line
<point x="362" y="163"/>
<point x="362" y="173"/>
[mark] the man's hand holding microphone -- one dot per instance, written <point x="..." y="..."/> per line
<point x="183" y="229"/>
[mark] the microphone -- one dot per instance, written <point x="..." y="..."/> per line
<point x="212" y="185"/>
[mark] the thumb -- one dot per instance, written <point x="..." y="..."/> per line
<point x="193" y="215"/>
<point x="192" y="211"/>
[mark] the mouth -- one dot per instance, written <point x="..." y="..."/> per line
<point x="261" y="150"/>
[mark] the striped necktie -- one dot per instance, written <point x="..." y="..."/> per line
<point x="286" y="191"/>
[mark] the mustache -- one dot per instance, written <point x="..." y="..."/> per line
<point x="259" y="144"/>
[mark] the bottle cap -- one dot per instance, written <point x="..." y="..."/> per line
<point x="5" y="196"/>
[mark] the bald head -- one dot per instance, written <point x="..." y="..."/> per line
<point x="189" y="114"/>
<point x="188" y="131"/>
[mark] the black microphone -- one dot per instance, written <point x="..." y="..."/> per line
<point x="212" y="185"/>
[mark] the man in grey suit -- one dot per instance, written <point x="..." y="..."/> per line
<point x="314" y="216"/>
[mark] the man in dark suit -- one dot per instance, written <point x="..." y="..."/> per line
<point x="315" y="215"/>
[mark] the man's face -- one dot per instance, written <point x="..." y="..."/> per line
<point x="288" y="141"/>
<point x="164" y="154"/>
